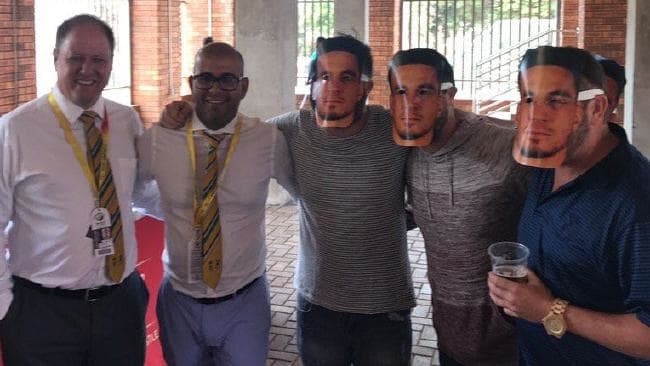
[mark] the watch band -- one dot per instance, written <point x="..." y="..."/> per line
<point x="559" y="306"/>
<point x="554" y="321"/>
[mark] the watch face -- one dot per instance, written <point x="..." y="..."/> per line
<point x="554" y="325"/>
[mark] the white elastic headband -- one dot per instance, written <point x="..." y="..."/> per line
<point x="589" y="94"/>
<point x="446" y="86"/>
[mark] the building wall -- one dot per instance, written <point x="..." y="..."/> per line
<point x="155" y="56"/>
<point x="17" y="54"/>
<point x="383" y="37"/>
<point x="160" y="45"/>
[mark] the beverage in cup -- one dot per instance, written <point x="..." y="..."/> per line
<point x="509" y="260"/>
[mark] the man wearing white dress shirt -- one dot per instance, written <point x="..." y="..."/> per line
<point x="226" y="320"/>
<point x="69" y="292"/>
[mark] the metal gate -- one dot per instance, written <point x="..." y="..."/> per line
<point x="482" y="39"/>
<point x="315" y="19"/>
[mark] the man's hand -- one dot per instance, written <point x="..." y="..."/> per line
<point x="530" y="301"/>
<point x="176" y="114"/>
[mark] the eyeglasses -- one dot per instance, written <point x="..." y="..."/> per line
<point x="226" y="82"/>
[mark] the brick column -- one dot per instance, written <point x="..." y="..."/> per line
<point x="223" y="21"/>
<point x="604" y="28"/>
<point x="384" y="40"/>
<point x="155" y="55"/>
<point x="570" y="22"/>
<point x="17" y="55"/>
<point x="195" y="26"/>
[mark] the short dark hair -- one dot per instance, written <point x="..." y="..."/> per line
<point x="342" y="43"/>
<point x="581" y="64"/>
<point x="423" y="56"/>
<point x="613" y="70"/>
<point x="66" y="27"/>
<point x="207" y="40"/>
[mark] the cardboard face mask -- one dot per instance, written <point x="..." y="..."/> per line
<point x="415" y="104"/>
<point x="337" y="89"/>
<point x="548" y="116"/>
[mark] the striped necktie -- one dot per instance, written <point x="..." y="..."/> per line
<point x="211" y="239"/>
<point x="107" y="196"/>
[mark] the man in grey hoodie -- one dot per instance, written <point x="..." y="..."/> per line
<point x="467" y="192"/>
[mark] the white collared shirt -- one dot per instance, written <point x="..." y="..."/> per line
<point x="261" y="154"/>
<point x="46" y="196"/>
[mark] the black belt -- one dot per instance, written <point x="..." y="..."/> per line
<point x="90" y="295"/>
<point x="216" y="300"/>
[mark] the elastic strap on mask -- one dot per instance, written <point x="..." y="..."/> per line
<point x="589" y="94"/>
<point x="446" y="86"/>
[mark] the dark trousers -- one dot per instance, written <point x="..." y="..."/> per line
<point x="447" y="361"/>
<point x="43" y="328"/>
<point x="332" y="338"/>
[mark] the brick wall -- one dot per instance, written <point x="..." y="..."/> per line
<point x="161" y="30"/>
<point x="17" y="55"/>
<point x="604" y="28"/>
<point x="152" y="66"/>
<point x="384" y="29"/>
<point x="570" y="22"/>
<point x="223" y="21"/>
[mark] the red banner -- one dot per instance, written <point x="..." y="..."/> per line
<point x="150" y="233"/>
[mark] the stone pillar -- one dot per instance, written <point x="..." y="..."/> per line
<point x="266" y="35"/>
<point x="350" y="17"/>
<point x="637" y="59"/>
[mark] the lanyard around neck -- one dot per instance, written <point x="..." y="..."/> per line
<point x="199" y="209"/>
<point x="72" y="141"/>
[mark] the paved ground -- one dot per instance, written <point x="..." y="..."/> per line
<point x="282" y="238"/>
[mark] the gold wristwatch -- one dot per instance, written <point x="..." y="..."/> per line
<point x="554" y="322"/>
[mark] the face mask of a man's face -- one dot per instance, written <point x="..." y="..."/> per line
<point x="415" y="104"/>
<point x="548" y="116"/>
<point x="337" y="89"/>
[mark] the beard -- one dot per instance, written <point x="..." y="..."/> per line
<point x="410" y="135"/>
<point x="333" y="116"/>
<point x="540" y="154"/>
<point x="573" y="143"/>
<point x="577" y="139"/>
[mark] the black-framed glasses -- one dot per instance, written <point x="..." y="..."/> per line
<point x="206" y="81"/>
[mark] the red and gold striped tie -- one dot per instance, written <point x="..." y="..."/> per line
<point x="98" y="161"/>
<point x="209" y="215"/>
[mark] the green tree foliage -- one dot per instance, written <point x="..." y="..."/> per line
<point x="445" y="16"/>
<point x="315" y="19"/>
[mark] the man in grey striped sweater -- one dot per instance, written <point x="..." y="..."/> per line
<point x="466" y="192"/>
<point x="353" y="278"/>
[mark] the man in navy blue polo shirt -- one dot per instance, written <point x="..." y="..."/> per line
<point x="586" y="222"/>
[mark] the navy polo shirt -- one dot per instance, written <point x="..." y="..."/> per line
<point x="589" y="243"/>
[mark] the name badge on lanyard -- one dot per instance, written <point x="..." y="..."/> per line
<point x="100" y="232"/>
<point x="195" y="257"/>
<point x="99" y="229"/>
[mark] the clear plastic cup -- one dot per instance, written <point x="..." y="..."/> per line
<point x="509" y="260"/>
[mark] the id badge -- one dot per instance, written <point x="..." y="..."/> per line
<point x="195" y="257"/>
<point x="100" y="232"/>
